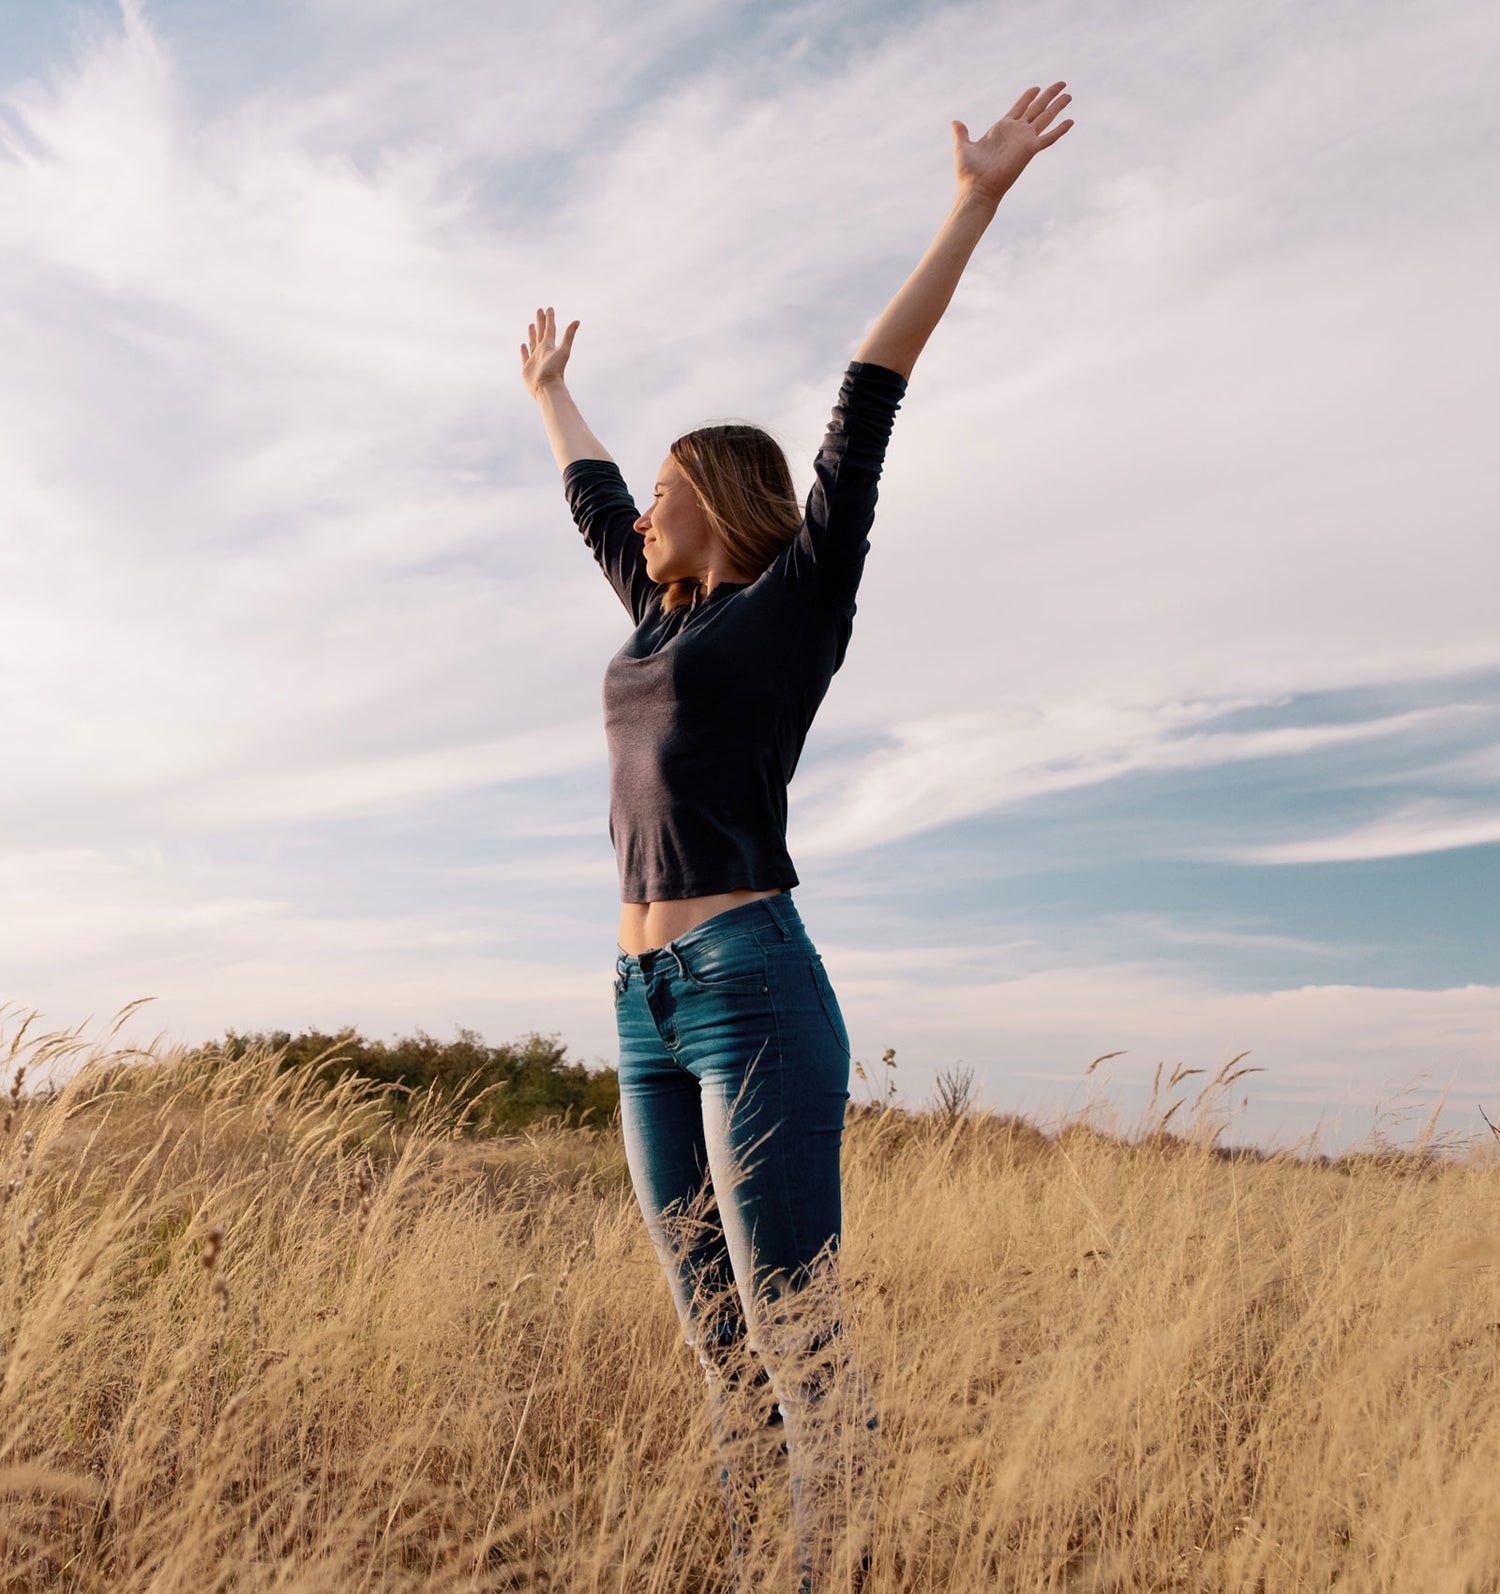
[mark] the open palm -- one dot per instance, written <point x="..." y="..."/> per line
<point x="543" y="359"/>
<point x="992" y="162"/>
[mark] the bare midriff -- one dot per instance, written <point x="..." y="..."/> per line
<point x="644" y="926"/>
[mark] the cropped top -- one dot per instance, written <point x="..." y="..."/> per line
<point x="706" y="708"/>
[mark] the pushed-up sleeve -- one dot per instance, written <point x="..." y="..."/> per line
<point x="829" y="549"/>
<point x="605" y="514"/>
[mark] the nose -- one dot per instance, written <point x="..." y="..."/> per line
<point x="643" y="524"/>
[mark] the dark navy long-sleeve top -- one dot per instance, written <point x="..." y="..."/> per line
<point x="706" y="708"/>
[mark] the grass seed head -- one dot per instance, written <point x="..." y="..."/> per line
<point x="265" y="1156"/>
<point x="15" y="1096"/>
<point x="364" y="1189"/>
<point x="218" y="1285"/>
<point x="565" y="1273"/>
<point x="25" y="1240"/>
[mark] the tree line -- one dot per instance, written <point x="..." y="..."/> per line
<point x="510" y="1086"/>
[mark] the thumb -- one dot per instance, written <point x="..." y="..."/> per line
<point x="960" y="133"/>
<point x="573" y="326"/>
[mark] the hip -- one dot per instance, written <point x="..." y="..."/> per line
<point x="749" y="976"/>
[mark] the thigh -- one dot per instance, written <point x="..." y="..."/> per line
<point x="773" y="1059"/>
<point x="661" y="1119"/>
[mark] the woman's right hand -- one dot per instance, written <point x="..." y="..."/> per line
<point x="542" y="360"/>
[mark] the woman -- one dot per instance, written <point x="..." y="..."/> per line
<point x="734" y="1060"/>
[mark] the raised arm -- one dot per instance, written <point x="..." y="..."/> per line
<point x="986" y="166"/>
<point x="543" y="362"/>
<point x="596" y="493"/>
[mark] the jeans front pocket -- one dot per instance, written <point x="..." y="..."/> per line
<point x="830" y="1004"/>
<point x="737" y="963"/>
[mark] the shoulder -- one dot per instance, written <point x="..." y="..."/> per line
<point x="595" y="486"/>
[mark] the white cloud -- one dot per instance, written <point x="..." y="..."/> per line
<point x="278" y="333"/>
<point x="85" y="934"/>
<point x="1167" y="932"/>
<point x="1332" y="1055"/>
<point x="1432" y="825"/>
<point x="279" y="542"/>
<point x="955" y="766"/>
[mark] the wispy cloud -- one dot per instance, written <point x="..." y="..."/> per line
<point x="953" y="766"/>
<point x="1428" y="826"/>
<point x="281" y="550"/>
<point x="261" y="428"/>
<point x="1335" y="1055"/>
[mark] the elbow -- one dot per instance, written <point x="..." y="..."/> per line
<point x="901" y="361"/>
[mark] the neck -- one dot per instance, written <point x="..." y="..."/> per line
<point x="711" y="577"/>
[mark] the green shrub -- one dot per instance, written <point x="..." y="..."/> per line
<point x="523" y="1082"/>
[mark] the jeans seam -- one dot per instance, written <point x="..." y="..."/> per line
<point x="798" y="1233"/>
<point x="824" y="987"/>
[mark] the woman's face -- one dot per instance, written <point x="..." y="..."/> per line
<point x="679" y="543"/>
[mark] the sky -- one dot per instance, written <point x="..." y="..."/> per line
<point x="1171" y="722"/>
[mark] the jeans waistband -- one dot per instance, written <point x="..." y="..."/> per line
<point x="778" y="913"/>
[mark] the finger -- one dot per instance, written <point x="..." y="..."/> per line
<point x="1039" y="122"/>
<point x="525" y="354"/>
<point x="961" y="133"/>
<point x="1019" y="108"/>
<point x="1047" y="140"/>
<point x="1039" y="104"/>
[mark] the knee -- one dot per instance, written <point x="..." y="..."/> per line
<point x="724" y="1352"/>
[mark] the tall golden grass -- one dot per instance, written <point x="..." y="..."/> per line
<point x="260" y="1336"/>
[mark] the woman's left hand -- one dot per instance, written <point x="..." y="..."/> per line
<point x="991" y="163"/>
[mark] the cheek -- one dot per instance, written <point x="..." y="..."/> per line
<point x="690" y="528"/>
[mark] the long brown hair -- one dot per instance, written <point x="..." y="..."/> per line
<point x="741" y="478"/>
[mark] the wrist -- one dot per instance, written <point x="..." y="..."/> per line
<point x="552" y="385"/>
<point x="977" y="202"/>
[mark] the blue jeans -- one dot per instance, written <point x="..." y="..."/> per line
<point x="734" y="1072"/>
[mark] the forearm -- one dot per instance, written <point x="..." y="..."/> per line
<point x="905" y="325"/>
<point x="567" y="431"/>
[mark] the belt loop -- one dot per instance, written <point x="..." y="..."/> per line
<point x="677" y="959"/>
<point x="769" y="904"/>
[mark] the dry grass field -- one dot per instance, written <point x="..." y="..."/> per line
<point x="257" y="1336"/>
